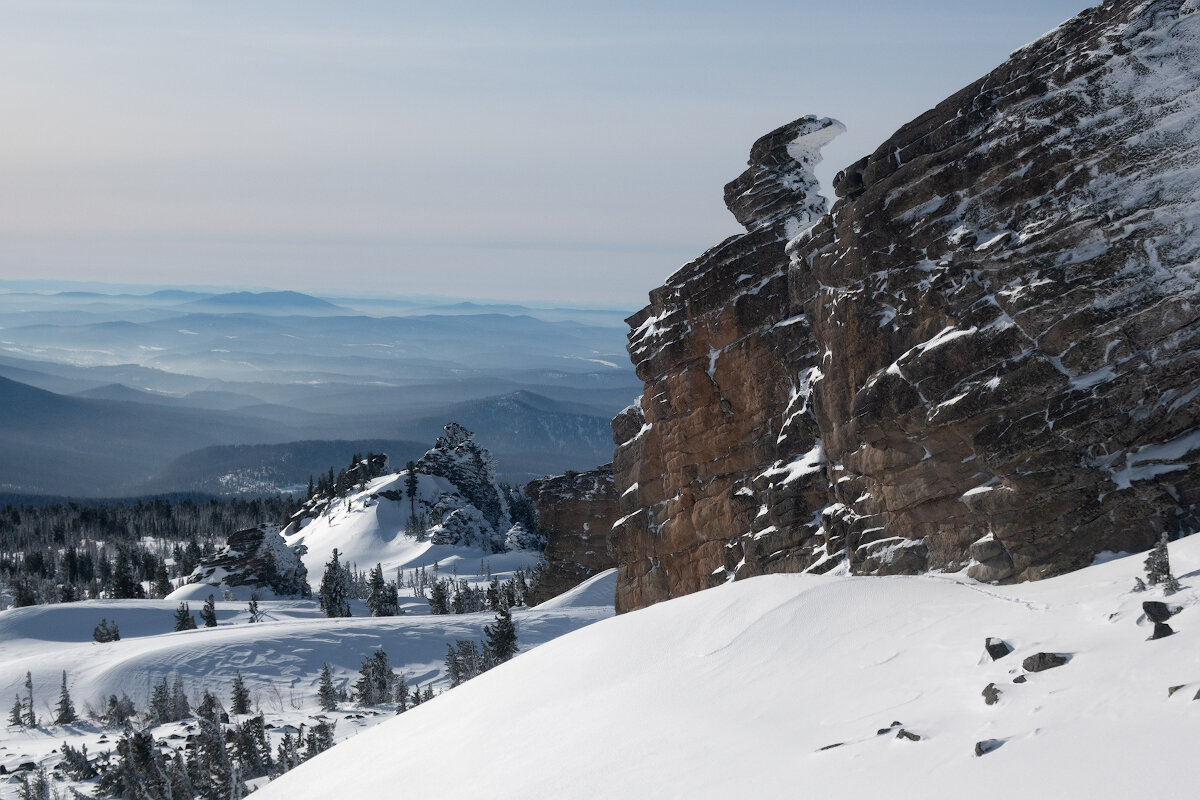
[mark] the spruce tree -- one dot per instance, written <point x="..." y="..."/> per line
<point x="64" y="712"/>
<point x="209" y="612"/>
<point x="184" y="621"/>
<point x="1158" y="567"/>
<point x="160" y="703"/>
<point x="334" y="593"/>
<point x="162" y="582"/>
<point x="106" y="632"/>
<point x="439" y="597"/>
<point x="410" y="488"/>
<point x="501" y="642"/>
<point x="15" y="717"/>
<point x="241" y="695"/>
<point x="252" y="610"/>
<point x="381" y="595"/>
<point x="29" y="717"/>
<point x="180" y="708"/>
<point x="402" y="692"/>
<point x="326" y="693"/>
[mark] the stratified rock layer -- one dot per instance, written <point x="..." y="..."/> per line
<point x="985" y="355"/>
<point x="576" y="513"/>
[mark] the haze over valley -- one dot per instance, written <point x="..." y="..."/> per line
<point x="120" y="393"/>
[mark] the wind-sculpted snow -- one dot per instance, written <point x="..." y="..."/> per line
<point x="739" y="691"/>
<point x="984" y="355"/>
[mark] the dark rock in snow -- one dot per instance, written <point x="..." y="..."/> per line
<point x="1043" y="661"/>
<point x="909" y="735"/>
<point x="987" y="746"/>
<point x="991" y="694"/>
<point x="1020" y="679"/>
<point x="1157" y="611"/>
<point x="831" y="746"/>
<point x="1161" y="631"/>
<point x="996" y="648"/>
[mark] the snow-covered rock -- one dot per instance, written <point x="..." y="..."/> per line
<point x="256" y="558"/>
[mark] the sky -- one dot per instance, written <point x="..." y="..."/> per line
<point x="567" y="152"/>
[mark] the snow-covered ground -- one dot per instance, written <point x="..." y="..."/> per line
<point x="743" y="689"/>
<point x="280" y="658"/>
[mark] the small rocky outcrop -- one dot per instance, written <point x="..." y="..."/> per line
<point x="986" y="746"/>
<point x="996" y="648"/>
<point x="1039" y="662"/>
<point x="1161" y="631"/>
<point x="575" y="512"/>
<point x="257" y="557"/>
<point x="991" y="694"/>
<point x="1157" y="611"/>
<point x="983" y="357"/>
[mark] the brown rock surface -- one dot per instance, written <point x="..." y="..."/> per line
<point x="576" y="513"/>
<point x="985" y="355"/>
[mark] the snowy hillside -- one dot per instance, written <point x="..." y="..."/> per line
<point x="456" y="516"/>
<point x="279" y="658"/>
<point x="799" y="686"/>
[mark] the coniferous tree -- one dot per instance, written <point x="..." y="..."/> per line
<point x="106" y="631"/>
<point x="439" y="597"/>
<point x="1158" y="567"/>
<point x="427" y="695"/>
<point x="501" y="642"/>
<point x="184" y="621"/>
<point x="376" y="680"/>
<point x="410" y="487"/>
<point x="76" y="764"/>
<point x="209" y="612"/>
<point x="327" y="694"/>
<point x="334" y="593"/>
<point x="124" y="586"/>
<point x="180" y="708"/>
<point x="160" y="703"/>
<point x="16" y="717"/>
<point x="29" y="718"/>
<point x="241" y="695"/>
<point x="381" y="595"/>
<point x="64" y="712"/>
<point x="402" y="693"/>
<point x="252" y="610"/>
<point x="162" y="582"/>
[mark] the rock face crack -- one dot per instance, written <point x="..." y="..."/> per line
<point x="994" y="328"/>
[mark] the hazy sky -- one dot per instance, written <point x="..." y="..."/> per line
<point x="516" y="150"/>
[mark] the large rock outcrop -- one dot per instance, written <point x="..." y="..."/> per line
<point x="256" y="557"/>
<point x="985" y="355"/>
<point x="575" y="512"/>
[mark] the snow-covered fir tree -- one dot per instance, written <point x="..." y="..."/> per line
<point x="334" y="593"/>
<point x="64" y="712"/>
<point x="209" y="612"/>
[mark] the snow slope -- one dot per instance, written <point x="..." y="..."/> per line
<point x="279" y="658"/>
<point x="735" y="691"/>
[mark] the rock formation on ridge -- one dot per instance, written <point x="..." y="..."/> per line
<point x="256" y="557"/>
<point x="576" y="512"/>
<point x="983" y="356"/>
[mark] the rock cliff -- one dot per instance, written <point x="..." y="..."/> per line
<point x="575" y="512"/>
<point x="984" y="356"/>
